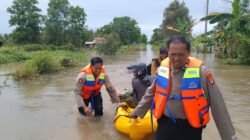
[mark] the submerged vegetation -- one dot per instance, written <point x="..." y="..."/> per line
<point x="40" y="63"/>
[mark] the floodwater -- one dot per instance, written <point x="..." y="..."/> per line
<point x="45" y="109"/>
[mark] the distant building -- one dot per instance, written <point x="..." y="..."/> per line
<point x="89" y="44"/>
<point x="96" y="41"/>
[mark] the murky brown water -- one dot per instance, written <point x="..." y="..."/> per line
<point x="45" y="109"/>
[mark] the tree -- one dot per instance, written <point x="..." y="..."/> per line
<point x="90" y="35"/>
<point x="77" y="32"/>
<point x="7" y="39"/>
<point x="56" y="23"/>
<point x="157" y="36"/>
<point x="104" y="30"/>
<point x="231" y="27"/>
<point x="143" y="39"/>
<point x="176" y="21"/>
<point x="26" y="17"/>
<point x="127" y="29"/>
<point x="184" y="27"/>
<point x="176" y="11"/>
<point x="111" y="45"/>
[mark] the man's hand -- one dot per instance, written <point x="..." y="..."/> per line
<point x="119" y="93"/>
<point x="87" y="110"/>
<point x="120" y="104"/>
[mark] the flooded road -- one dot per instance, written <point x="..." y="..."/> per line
<point x="45" y="109"/>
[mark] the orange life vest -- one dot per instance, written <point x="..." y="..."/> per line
<point x="193" y="97"/>
<point x="92" y="85"/>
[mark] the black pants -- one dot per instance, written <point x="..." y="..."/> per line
<point x="181" y="130"/>
<point x="98" y="107"/>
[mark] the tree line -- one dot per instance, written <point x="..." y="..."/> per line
<point x="65" y="24"/>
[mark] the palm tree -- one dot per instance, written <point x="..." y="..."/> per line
<point x="229" y="25"/>
<point x="183" y="27"/>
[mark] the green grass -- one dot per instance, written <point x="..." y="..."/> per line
<point x="45" y="62"/>
<point x="41" y="59"/>
<point x="12" y="54"/>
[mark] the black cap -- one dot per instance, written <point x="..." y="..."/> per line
<point x="136" y="67"/>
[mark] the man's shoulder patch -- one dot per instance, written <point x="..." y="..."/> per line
<point x="80" y="81"/>
<point x="210" y="77"/>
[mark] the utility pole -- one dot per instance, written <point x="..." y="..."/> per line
<point x="206" y="15"/>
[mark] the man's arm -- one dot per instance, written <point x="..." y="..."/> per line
<point x="80" y="80"/>
<point x="218" y="107"/>
<point x="145" y="102"/>
<point x="78" y="89"/>
<point x="111" y="90"/>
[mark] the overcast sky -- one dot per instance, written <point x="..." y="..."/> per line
<point x="148" y="13"/>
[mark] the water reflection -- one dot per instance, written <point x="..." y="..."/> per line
<point x="147" y="56"/>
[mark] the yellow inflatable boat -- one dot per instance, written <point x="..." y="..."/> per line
<point x="135" y="128"/>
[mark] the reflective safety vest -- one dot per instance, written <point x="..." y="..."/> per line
<point x="92" y="85"/>
<point x="192" y="95"/>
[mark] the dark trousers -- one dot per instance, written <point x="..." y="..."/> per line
<point x="181" y="130"/>
<point x="98" y="107"/>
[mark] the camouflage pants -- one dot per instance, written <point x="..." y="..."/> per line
<point x="129" y="99"/>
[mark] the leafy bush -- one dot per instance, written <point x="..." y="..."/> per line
<point x="26" y="71"/>
<point x="33" y="47"/>
<point x="243" y="50"/>
<point x="232" y="61"/>
<point x="8" y="55"/>
<point x="68" y="47"/>
<point x="111" y="45"/>
<point x="44" y="63"/>
<point x="41" y="63"/>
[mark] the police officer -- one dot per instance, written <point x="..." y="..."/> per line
<point x="88" y="85"/>
<point x="183" y="92"/>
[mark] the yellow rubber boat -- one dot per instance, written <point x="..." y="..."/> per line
<point x="135" y="128"/>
